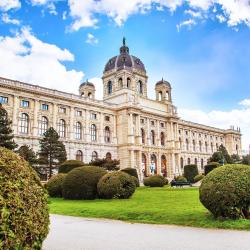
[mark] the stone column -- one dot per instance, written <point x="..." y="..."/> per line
<point x="159" y="164"/>
<point x="158" y="140"/>
<point x="173" y="165"/>
<point x="132" y="159"/>
<point x="71" y="134"/>
<point x="54" y="124"/>
<point x="101" y="134"/>
<point x="148" y="132"/>
<point x="15" y="114"/>
<point x="87" y="130"/>
<point x="115" y="132"/>
<point x="140" y="166"/>
<point x="35" y="118"/>
<point x="130" y="128"/>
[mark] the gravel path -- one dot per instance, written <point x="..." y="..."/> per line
<point x="74" y="233"/>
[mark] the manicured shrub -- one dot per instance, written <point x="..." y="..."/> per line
<point x="181" y="179"/>
<point x="136" y="181"/>
<point x="225" y="191"/>
<point x="211" y="166"/>
<point x="24" y="215"/>
<point x="69" y="165"/>
<point x="81" y="183"/>
<point x="198" y="177"/>
<point x="154" y="181"/>
<point x="116" y="185"/>
<point x="54" y="185"/>
<point x="190" y="171"/>
<point x="130" y="171"/>
<point x="166" y="181"/>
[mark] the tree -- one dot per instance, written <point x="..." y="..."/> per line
<point x="235" y="158"/>
<point x="246" y="159"/>
<point x="221" y="156"/>
<point x="108" y="164"/>
<point x="6" y="133"/>
<point x="217" y="157"/>
<point x="52" y="151"/>
<point x="225" y="154"/>
<point x="28" y="154"/>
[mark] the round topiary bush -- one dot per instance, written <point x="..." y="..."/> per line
<point x="116" y="185"/>
<point x="190" y="171"/>
<point x="54" y="185"/>
<point x="154" y="181"/>
<point x="24" y="215"/>
<point x="81" y="183"/>
<point x="136" y="181"/>
<point x="181" y="178"/>
<point x="198" y="177"/>
<point x="225" y="191"/>
<point x="130" y="171"/>
<point x="68" y="165"/>
<point x="210" y="166"/>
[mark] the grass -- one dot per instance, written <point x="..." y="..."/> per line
<point x="150" y="205"/>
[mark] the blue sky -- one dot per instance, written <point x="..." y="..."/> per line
<point x="200" y="47"/>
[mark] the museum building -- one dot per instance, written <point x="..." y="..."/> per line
<point x="142" y="133"/>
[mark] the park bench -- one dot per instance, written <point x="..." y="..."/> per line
<point x="174" y="183"/>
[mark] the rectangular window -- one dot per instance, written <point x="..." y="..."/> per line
<point x="162" y="124"/>
<point x="45" y="106"/>
<point x="142" y="121"/>
<point x="78" y="113"/>
<point x="152" y="123"/>
<point x="25" y="103"/>
<point x="93" y="116"/>
<point x="62" y="110"/>
<point x="107" y="118"/>
<point x="3" y="99"/>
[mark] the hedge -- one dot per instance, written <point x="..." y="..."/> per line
<point x="24" y="214"/>
<point x="54" y="185"/>
<point x="154" y="181"/>
<point x="130" y="171"/>
<point x="67" y="166"/>
<point x="190" y="171"/>
<point x="225" y="191"/>
<point x="181" y="179"/>
<point x="198" y="177"/>
<point x="210" y="166"/>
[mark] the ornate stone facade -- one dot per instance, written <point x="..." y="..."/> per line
<point x="143" y="133"/>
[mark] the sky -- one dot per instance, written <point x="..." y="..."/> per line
<point x="200" y="46"/>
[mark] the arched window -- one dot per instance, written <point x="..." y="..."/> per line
<point x="206" y="147"/>
<point x="187" y="145"/>
<point x="162" y="139"/>
<point x="212" y="147"/>
<point x="200" y="146"/>
<point x="180" y="143"/>
<point x="93" y="132"/>
<point x="152" y="137"/>
<point x="142" y="136"/>
<point x="194" y="145"/>
<point x="120" y="83"/>
<point x="202" y="163"/>
<point x="94" y="156"/>
<point x="62" y="128"/>
<point x="79" y="155"/>
<point x="237" y="149"/>
<point x="195" y="161"/>
<point x="107" y="134"/>
<point x="153" y="165"/>
<point x="109" y="87"/>
<point x="128" y="82"/>
<point x="163" y="165"/>
<point x="167" y="96"/>
<point x="160" y="96"/>
<point x="182" y="163"/>
<point x="43" y="125"/>
<point x="90" y="95"/>
<point x="217" y="147"/>
<point x="189" y="161"/>
<point x="78" y="131"/>
<point x="108" y="157"/>
<point x="140" y="87"/>
<point x="24" y="123"/>
<point x="144" y="164"/>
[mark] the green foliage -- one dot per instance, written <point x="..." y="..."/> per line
<point x="246" y="159"/>
<point x="225" y="191"/>
<point x="28" y="155"/>
<point x="190" y="171"/>
<point x="81" y="183"/>
<point x="52" y="151"/>
<point x="210" y="166"/>
<point x="221" y="156"/>
<point x="68" y="165"/>
<point x="225" y="154"/>
<point x="217" y="157"/>
<point x="235" y="159"/>
<point x="198" y="177"/>
<point x="154" y="181"/>
<point x="54" y="185"/>
<point x="24" y="215"/>
<point x="181" y="178"/>
<point x="136" y="181"/>
<point x="116" y="185"/>
<point x="130" y="171"/>
<point x="107" y="164"/>
<point x="6" y="133"/>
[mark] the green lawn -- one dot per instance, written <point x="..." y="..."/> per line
<point x="149" y="205"/>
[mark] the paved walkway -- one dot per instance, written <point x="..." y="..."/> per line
<point x="73" y="233"/>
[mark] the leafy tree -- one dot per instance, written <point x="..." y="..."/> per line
<point x="221" y="156"/>
<point x="225" y="154"/>
<point x="246" y="159"/>
<point x="107" y="164"/>
<point x="28" y="154"/>
<point x="235" y="158"/>
<point x="217" y="157"/>
<point x="52" y="151"/>
<point x="6" y="133"/>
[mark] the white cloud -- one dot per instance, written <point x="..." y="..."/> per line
<point x="245" y="102"/>
<point x="91" y="39"/>
<point x="6" y="5"/>
<point x="221" y="119"/>
<point x="64" y="15"/>
<point x="188" y="23"/>
<point x="98" y="87"/>
<point x="6" y="19"/>
<point x="49" y="4"/>
<point x="37" y="62"/>
<point x="84" y="13"/>
<point x="221" y="18"/>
